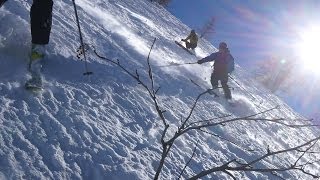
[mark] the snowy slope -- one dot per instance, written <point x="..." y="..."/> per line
<point x="105" y="126"/>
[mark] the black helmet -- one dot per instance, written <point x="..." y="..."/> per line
<point x="223" y="45"/>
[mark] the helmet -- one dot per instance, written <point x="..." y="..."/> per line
<point x="223" y="45"/>
<point x="193" y="31"/>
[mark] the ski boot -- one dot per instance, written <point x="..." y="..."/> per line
<point x="36" y="56"/>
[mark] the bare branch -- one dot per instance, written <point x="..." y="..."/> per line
<point x="157" y="90"/>
<point x="283" y="151"/>
<point x="216" y="169"/>
<point x="193" y="153"/>
<point x="248" y="166"/>
<point x="312" y="145"/>
<point x="208" y="120"/>
<point x="313" y="175"/>
<point x="309" y="163"/>
<point x="164" y="134"/>
<point x="149" y="67"/>
<point x="227" y="172"/>
<point x="192" y="109"/>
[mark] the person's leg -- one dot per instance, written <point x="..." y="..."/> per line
<point x="41" y="20"/>
<point x="225" y="87"/>
<point x="214" y="81"/>
<point x="188" y="45"/>
<point x="193" y="46"/>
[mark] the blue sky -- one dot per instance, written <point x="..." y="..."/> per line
<point x="254" y="29"/>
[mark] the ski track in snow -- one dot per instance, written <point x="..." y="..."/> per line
<point x="105" y="126"/>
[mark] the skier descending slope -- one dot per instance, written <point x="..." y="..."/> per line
<point x="41" y="20"/>
<point x="223" y="64"/>
<point x="193" y="38"/>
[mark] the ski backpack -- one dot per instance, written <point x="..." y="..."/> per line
<point x="230" y="65"/>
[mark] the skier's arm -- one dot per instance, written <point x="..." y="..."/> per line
<point x="208" y="58"/>
<point x="186" y="39"/>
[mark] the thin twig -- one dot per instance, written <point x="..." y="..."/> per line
<point x="149" y="67"/>
<point x="193" y="153"/>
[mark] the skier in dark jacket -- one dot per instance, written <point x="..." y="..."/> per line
<point x="220" y="71"/>
<point x="192" y="40"/>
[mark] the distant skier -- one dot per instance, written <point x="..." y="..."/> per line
<point x="41" y="21"/>
<point x="222" y="60"/>
<point x="193" y="40"/>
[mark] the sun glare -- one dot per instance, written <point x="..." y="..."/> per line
<point x="309" y="51"/>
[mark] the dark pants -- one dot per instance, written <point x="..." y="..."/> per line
<point x="41" y="20"/>
<point x="215" y="77"/>
<point x="189" y="45"/>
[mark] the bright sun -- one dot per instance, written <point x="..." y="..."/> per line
<point x="308" y="49"/>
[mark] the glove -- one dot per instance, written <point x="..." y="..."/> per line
<point x="183" y="40"/>
<point x="199" y="62"/>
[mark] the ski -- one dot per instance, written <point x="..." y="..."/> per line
<point x="35" y="67"/>
<point x="183" y="47"/>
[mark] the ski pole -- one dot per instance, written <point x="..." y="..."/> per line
<point x="177" y="64"/>
<point x="81" y="40"/>
<point x="186" y="63"/>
